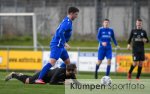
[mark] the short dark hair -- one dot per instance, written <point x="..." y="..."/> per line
<point x="106" y="20"/>
<point x="72" y="10"/>
<point x="139" y="20"/>
<point x="71" y="67"/>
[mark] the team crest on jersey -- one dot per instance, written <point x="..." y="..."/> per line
<point x="109" y="33"/>
<point x="103" y="32"/>
<point x="142" y="34"/>
<point x="138" y="36"/>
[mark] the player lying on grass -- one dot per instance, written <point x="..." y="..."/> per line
<point x="55" y="76"/>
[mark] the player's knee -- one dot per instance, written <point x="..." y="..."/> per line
<point x="109" y="62"/>
<point x="52" y="61"/>
<point x="52" y="64"/>
<point x="134" y="64"/>
<point x="67" y="61"/>
<point x="99" y="62"/>
<point x="140" y="64"/>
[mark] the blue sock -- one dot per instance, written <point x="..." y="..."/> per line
<point x="44" y="70"/>
<point x="97" y="67"/>
<point x="96" y="70"/>
<point x="63" y="65"/>
<point x="108" y="70"/>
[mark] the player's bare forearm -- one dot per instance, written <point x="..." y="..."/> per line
<point x="129" y="47"/>
<point x="67" y="46"/>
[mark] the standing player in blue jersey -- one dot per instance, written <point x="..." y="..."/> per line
<point x="59" y="44"/>
<point x="105" y="50"/>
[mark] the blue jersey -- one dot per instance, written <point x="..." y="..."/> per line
<point x="105" y="35"/>
<point x="63" y="33"/>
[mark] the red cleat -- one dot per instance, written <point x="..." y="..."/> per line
<point x="39" y="81"/>
<point x="129" y="76"/>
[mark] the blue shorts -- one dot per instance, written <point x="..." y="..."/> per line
<point x="59" y="52"/>
<point x="104" y="52"/>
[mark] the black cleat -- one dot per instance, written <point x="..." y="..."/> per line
<point x="9" y="76"/>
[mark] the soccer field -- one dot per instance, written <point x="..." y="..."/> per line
<point x="16" y="87"/>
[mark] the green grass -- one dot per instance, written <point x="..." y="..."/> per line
<point x="16" y="87"/>
<point x="28" y="41"/>
<point x="45" y="41"/>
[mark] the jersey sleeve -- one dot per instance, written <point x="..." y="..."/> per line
<point x="74" y="79"/>
<point x="63" y="28"/>
<point x="54" y="79"/>
<point x="99" y="35"/>
<point x="130" y="37"/>
<point x="113" y="38"/>
<point x="145" y="36"/>
<point x="73" y="76"/>
<point x="76" y="82"/>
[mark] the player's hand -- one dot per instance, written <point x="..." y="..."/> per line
<point x="68" y="81"/>
<point x="104" y="43"/>
<point x="117" y="47"/>
<point x="67" y="46"/>
<point x="144" y="40"/>
<point x="129" y="47"/>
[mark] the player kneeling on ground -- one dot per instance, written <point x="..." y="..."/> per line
<point x="55" y="76"/>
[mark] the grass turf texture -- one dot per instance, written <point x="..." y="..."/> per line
<point x="16" y="87"/>
<point x="28" y="41"/>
